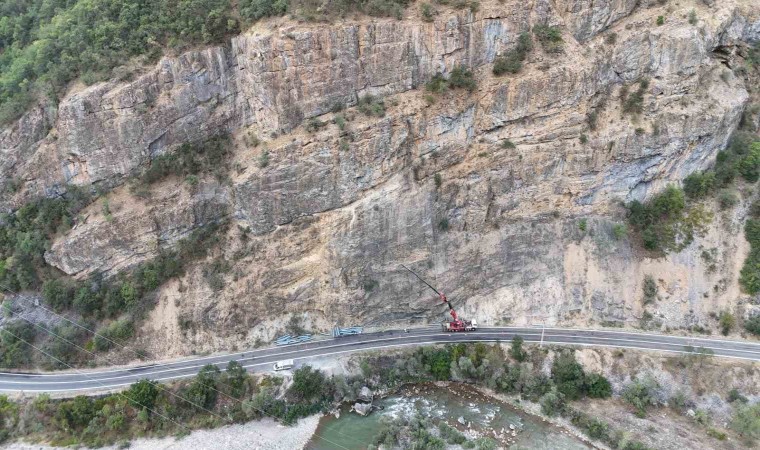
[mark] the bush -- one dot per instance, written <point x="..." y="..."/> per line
<point x="309" y="385"/>
<point x="664" y="223"/>
<point x="619" y="231"/>
<point x="649" y="289"/>
<point x="58" y="293"/>
<point x="597" y="386"/>
<point x="437" y="362"/>
<point x="634" y="103"/>
<point x="660" y="20"/>
<point x="115" y="333"/>
<point x="640" y="394"/>
<point x="516" y="351"/>
<point x="142" y="394"/>
<point x="459" y="78"/>
<point x="370" y="106"/>
<point x="552" y="403"/>
<point x="699" y="184"/>
<point x="746" y="422"/>
<point x="511" y="62"/>
<point x="753" y="324"/>
<point x="569" y="376"/>
<point x="14" y="350"/>
<point x="202" y="392"/>
<point x="75" y="414"/>
<point x="727" y="198"/>
<point x="210" y="156"/>
<point x="550" y="38"/>
<point x="235" y="379"/>
<point x="726" y="321"/>
<point x="428" y="13"/>
<point x="749" y="277"/>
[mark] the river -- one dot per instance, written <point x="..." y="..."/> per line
<point x="482" y="415"/>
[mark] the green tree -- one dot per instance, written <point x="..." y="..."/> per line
<point x="142" y="394"/>
<point x="75" y="414"/>
<point x="516" y="350"/>
<point x="597" y="386"/>
<point x="569" y="376"/>
<point x="746" y="422"/>
<point x="202" y="392"/>
<point x="58" y="293"/>
<point x="641" y="394"/>
<point x="235" y="379"/>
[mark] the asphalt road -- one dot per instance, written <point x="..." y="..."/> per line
<point x="80" y="381"/>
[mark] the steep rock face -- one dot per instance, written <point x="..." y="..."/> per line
<point x="127" y="231"/>
<point x="334" y="212"/>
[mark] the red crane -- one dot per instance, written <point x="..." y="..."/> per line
<point x="455" y="325"/>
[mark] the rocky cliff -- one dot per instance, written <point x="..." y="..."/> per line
<point x="435" y="183"/>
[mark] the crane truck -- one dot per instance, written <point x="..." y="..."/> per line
<point x="454" y="325"/>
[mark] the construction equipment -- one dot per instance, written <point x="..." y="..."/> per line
<point x="455" y="325"/>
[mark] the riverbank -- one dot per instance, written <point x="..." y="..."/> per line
<point x="264" y="434"/>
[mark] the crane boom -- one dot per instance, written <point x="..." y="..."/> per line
<point x="441" y="295"/>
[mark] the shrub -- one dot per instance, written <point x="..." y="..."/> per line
<point x="235" y="379"/>
<point x="633" y="103"/>
<point x="582" y="224"/>
<point x="749" y="277"/>
<point x="58" y="293"/>
<point x="438" y="180"/>
<point x="370" y="106"/>
<point x="568" y="375"/>
<point x="693" y="17"/>
<point x="649" y="289"/>
<point x="640" y="394"/>
<point x="753" y="324"/>
<point x="735" y="396"/>
<point x="619" y="231"/>
<point x="14" y="350"/>
<point x="726" y="321"/>
<point x="660" y="20"/>
<point x="583" y="139"/>
<point x="459" y="78"/>
<point x="699" y="184"/>
<point x="597" y="386"/>
<point x="115" y="332"/>
<point x="309" y="385"/>
<point x="142" y="394"/>
<point x="258" y="9"/>
<point x="727" y="198"/>
<point x="75" y="414"/>
<point x="516" y="351"/>
<point x="512" y="61"/>
<point x="264" y="159"/>
<point x="552" y="403"/>
<point x="550" y="38"/>
<point x="664" y="223"/>
<point x="202" y="392"/>
<point x="507" y="144"/>
<point x="210" y="156"/>
<point x="746" y="422"/>
<point x="428" y="13"/>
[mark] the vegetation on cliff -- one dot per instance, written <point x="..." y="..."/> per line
<point x="45" y="44"/>
<point x="115" y="304"/>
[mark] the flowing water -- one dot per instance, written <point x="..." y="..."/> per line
<point x="482" y="415"/>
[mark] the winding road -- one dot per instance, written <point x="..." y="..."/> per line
<point x="81" y="381"/>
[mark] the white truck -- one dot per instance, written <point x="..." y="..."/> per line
<point x="283" y="365"/>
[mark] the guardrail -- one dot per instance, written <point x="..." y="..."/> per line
<point x="339" y="332"/>
<point x="289" y="339"/>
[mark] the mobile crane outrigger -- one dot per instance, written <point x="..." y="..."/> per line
<point x="455" y="325"/>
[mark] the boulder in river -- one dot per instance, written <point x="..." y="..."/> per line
<point x="365" y="394"/>
<point x="363" y="409"/>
